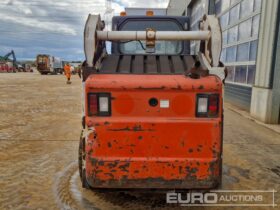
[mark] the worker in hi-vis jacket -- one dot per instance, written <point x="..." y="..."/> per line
<point x="67" y="72"/>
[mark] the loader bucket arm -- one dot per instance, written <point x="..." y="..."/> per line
<point x="90" y="41"/>
<point x="212" y="47"/>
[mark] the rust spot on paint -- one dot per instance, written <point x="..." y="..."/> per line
<point x="135" y="128"/>
<point x="182" y="142"/>
<point x="191" y="171"/>
<point x="90" y="152"/>
<point x="150" y="88"/>
<point x="109" y="144"/>
<point x="101" y="163"/>
<point x="177" y="88"/>
<point x="113" y="164"/>
<point x="106" y="123"/>
<point x="124" y="167"/>
<point x="110" y="175"/>
<point x="201" y="87"/>
<point x="120" y="129"/>
<point x="180" y="169"/>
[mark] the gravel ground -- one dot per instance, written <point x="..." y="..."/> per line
<point x="40" y="123"/>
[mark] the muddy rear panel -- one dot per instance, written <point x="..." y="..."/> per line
<point x="151" y="134"/>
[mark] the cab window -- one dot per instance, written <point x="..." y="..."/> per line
<point x="162" y="47"/>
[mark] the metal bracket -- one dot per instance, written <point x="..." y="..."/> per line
<point x="150" y="40"/>
<point x="91" y="41"/>
<point x="220" y="71"/>
<point x="212" y="47"/>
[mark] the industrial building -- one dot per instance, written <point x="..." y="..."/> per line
<point x="251" y="50"/>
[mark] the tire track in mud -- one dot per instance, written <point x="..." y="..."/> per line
<point x="27" y="172"/>
<point x="69" y="194"/>
<point x="66" y="192"/>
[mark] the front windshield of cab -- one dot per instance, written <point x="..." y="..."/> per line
<point x="42" y="59"/>
<point x="162" y="47"/>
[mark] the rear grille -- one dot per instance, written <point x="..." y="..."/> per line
<point x="42" y="66"/>
<point x="147" y="64"/>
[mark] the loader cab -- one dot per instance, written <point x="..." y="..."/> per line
<point x="158" y="23"/>
<point x="147" y="122"/>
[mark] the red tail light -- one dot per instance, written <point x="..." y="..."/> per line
<point x="99" y="104"/>
<point x="207" y="105"/>
<point x="213" y="105"/>
<point x="92" y="104"/>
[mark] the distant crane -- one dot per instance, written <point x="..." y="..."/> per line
<point x="5" y="58"/>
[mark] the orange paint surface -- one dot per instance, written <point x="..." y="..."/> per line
<point x="140" y="146"/>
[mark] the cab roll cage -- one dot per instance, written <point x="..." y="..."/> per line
<point x="209" y="35"/>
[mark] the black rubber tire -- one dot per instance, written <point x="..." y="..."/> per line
<point x="80" y="156"/>
<point x="84" y="180"/>
<point x="82" y="171"/>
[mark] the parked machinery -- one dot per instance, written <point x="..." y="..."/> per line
<point x="47" y="64"/>
<point x="7" y="65"/>
<point x="27" y="67"/>
<point x="153" y="113"/>
<point x="75" y="66"/>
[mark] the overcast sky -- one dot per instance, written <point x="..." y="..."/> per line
<point x="55" y="27"/>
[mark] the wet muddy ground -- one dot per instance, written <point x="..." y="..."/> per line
<point x="40" y="122"/>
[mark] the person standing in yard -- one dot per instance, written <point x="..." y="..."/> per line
<point x="67" y="72"/>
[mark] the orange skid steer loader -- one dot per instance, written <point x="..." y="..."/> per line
<point x="153" y="113"/>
